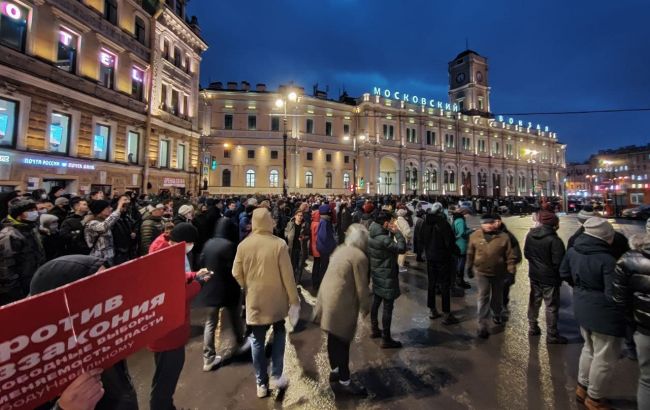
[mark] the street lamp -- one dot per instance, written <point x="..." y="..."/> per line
<point x="282" y="103"/>
<point x="531" y="153"/>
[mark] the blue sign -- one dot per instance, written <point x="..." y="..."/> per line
<point x="414" y="99"/>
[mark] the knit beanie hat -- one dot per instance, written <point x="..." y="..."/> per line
<point x="184" y="232"/>
<point x="437" y="207"/>
<point x="585" y="213"/>
<point x="548" y="218"/>
<point x="599" y="228"/>
<point x="47" y="219"/>
<point x="18" y="205"/>
<point x="185" y="209"/>
<point x="368" y="207"/>
<point x="324" y="209"/>
<point x="63" y="270"/>
<point x="96" y="207"/>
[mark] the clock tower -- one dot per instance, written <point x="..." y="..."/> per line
<point x="468" y="83"/>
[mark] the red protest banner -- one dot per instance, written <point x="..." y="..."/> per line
<point x="47" y="340"/>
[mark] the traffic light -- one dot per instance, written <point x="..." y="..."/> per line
<point x="361" y="182"/>
<point x="214" y="163"/>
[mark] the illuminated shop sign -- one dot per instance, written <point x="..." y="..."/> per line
<point x="57" y="163"/>
<point x="106" y="59"/>
<point x="11" y="10"/>
<point x="174" y="182"/>
<point x="518" y="123"/>
<point x="414" y="99"/>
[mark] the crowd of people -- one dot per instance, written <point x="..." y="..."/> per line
<point x="253" y="251"/>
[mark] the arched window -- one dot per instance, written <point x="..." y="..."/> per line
<point x="250" y="178"/>
<point x="449" y="180"/>
<point x="408" y="177"/>
<point x="328" y="180"/>
<point x="346" y="180"/>
<point x="225" y="177"/>
<point x="274" y="179"/>
<point x="433" y="180"/>
<point x="414" y="179"/>
<point x="309" y="179"/>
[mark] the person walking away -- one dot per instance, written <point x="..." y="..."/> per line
<point x="418" y="245"/>
<point x="632" y="292"/>
<point x="589" y="267"/>
<point x="169" y="350"/>
<point x="297" y="234"/>
<point x="620" y="244"/>
<point x="344" y="294"/>
<point x="72" y="229"/>
<point x="490" y="257"/>
<point x="245" y="225"/>
<point x="441" y="251"/>
<point x="20" y="249"/>
<point x="406" y="232"/>
<point x="280" y="218"/>
<point x="509" y="278"/>
<point x="325" y="242"/>
<point x="152" y="226"/>
<point x="263" y="269"/>
<point x="345" y="220"/>
<point x="97" y="231"/>
<point x="385" y="243"/>
<point x="462" y="233"/>
<point x="222" y="291"/>
<point x="544" y="251"/>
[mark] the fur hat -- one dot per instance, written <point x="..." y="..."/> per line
<point x="184" y="232"/>
<point x="599" y="228"/>
<point x="185" y="209"/>
<point x="97" y="206"/>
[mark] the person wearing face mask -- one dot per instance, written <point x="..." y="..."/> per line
<point x="49" y="234"/>
<point x="72" y="229"/>
<point x="44" y="206"/>
<point x="544" y="251"/>
<point x="21" y="252"/>
<point x="169" y="350"/>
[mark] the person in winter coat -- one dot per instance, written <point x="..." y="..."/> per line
<point x="222" y="291"/>
<point x="632" y="292"/>
<point x="344" y="294"/>
<point x="185" y="214"/>
<point x="124" y="236"/>
<point x="462" y="233"/>
<point x="263" y="269"/>
<point x="325" y="243"/>
<point x="169" y="350"/>
<point x="509" y="278"/>
<point x="97" y="232"/>
<point x="280" y="218"/>
<point x="49" y="236"/>
<point x="620" y="244"/>
<point x="490" y="257"/>
<point x="313" y="232"/>
<point x="589" y="268"/>
<point x="544" y="251"/>
<point x="162" y="241"/>
<point x="72" y="229"/>
<point x="345" y="220"/>
<point x="367" y="217"/>
<point x="61" y="208"/>
<point x="297" y="236"/>
<point x="385" y="243"/>
<point x="405" y="230"/>
<point x="418" y="243"/>
<point x="152" y="226"/>
<point x="245" y="225"/>
<point x="441" y="251"/>
<point x="21" y="252"/>
<point x="118" y="391"/>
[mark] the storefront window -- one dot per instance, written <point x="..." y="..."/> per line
<point x="133" y="146"/>
<point x="137" y="82"/>
<point x="59" y="132"/>
<point x="8" y="119"/>
<point x="101" y="141"/>
<point x="180" y="156"/>
<point x="106" y="69"/>
<point x="13" y="25"/>
<point x="66" y="57"/>
<point x="163" y="155"/>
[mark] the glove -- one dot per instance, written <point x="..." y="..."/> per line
<point x="294" y="315"/>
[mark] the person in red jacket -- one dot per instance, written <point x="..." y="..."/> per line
<point x="315" y="267"/>
<point x="169" y="350"/>
<point x="162" y="241"/>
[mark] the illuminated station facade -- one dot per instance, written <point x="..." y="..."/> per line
<point x="387" y="141"/>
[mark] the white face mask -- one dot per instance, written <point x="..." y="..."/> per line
<point x="43" y="196"/>
<point x="189" y="247"/>
<point x="32" y="216"/>
<point x="42" y="211"/>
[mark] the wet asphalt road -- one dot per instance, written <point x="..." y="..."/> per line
<point x="443" y="367"/>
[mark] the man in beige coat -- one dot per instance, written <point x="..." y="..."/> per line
<point x="263" y="269"/>
<point x="344" y="294"/>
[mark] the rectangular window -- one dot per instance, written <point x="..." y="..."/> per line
<point x="101" y="141"/>
<point x="188" y="65"/>
<point x="66" y="55"/>
<point x="251" y="154"/>
<point x="310" y="156"/>
<point x="480" y="103"/>
<point x="496" y="148"/>
<point x="133" y="147"/>
<point x="391" y="132"/>
<point x="180" y="157"/>
<point x="252" y="122"/>
<point x="636" y="198"/>
<point x="59" y="132"/>
<point x="509" y="149"/>
<point x="110" y="10"/>
<point x="274" y="154"/>
<point x="13" y="25"/>
<point x="449" y="141"/>
<point x="137" y="83"/>
<point x="175" y="103"/>
<point x="346" y="129"/>
<point x="178" y="57"/>
<point x="275" y="123"/>
<point x="186" y="105"/>
<point x="8" y="120"/>
<point x="163" y="97"/>
<point x="309" y="127"/>
<point x="226" y="153"/>
<point x="346" y="159"/>
<point x="227" y="121"/>
<point x="430" y="137"/>
<point x="166" y="50"/>
<point x="385" y="131"/>
<point x="163" y="154"/>
<point x="106" y="69"/>
<point x="328" y="128"/>
<point x="140" y="31"/>
<point x="328" y="157"/>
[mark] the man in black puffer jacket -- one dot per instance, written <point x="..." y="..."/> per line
<point x="632" y="290"/>
<point x="544" y="251"/>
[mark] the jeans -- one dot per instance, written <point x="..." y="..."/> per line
<point x="211" y="326"/>
<point x="439" y="274"/>
<point x="597" y="359"/>
<point x="460" y="268"/>
<point x="490" y="292"/>
<point x="260" y="362"/>
<point x="643" y="353"/>
<point x="508" y="281"/>
<point x="387" y="315"/>
<point x="338" y="353"/>
<point x="551" y="296"/>
<point x="169" y="365"/>
<point x="297" y="262"/>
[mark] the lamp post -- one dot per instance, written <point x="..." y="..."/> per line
<point x="282" y="103"/>
<point x="531" y="161"/>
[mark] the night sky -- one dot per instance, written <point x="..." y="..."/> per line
<point x="544" y="56"/>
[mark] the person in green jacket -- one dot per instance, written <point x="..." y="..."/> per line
<point x="462" y="232"/>
<point x="384" y="244"/>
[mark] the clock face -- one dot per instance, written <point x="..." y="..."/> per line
<point x="479" y="76"/>
<point x="460" y="78"/>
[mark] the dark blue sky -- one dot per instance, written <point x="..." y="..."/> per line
<point x="550" y="55"/>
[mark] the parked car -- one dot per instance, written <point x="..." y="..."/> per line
<point x="639" y="212"/>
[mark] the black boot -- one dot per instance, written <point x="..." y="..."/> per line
<point x="388" y="342"/>
<point x="375" y="332"/>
